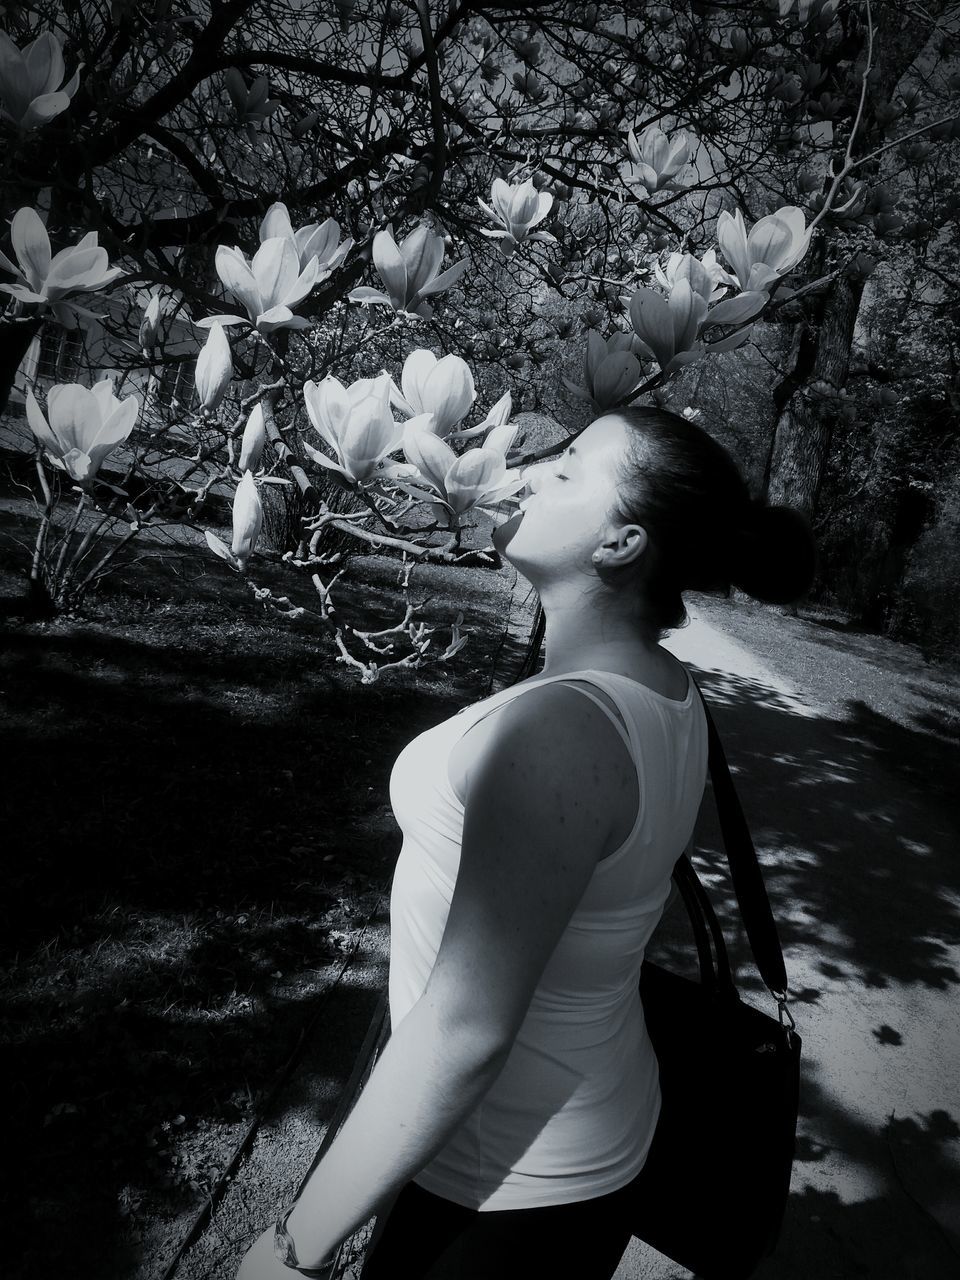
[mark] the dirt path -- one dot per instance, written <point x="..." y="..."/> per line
<point x="841" y="748"/>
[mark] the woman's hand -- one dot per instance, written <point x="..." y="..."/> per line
<point x="261" y="1263"/>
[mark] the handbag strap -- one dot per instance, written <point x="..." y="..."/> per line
<point x="716" y="977"/>
<point x="745" y="870"/>
<point x="682" y="873"/>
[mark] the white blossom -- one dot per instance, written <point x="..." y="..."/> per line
<point x="443" y="388"/>
<point x="409" y="271"/>
<point x="53" y="280"/>
<point x="214" y="368"/>
<point x="356" y="422"/>
<point x="773" y="247"/>
<point x="267" y="286"/>
<point x="82" y="426"/>
<point x="32" y="91"/>
<point x="517" y="209"/>
<point x="667" y="326"/>
<point x="657" y="158"/>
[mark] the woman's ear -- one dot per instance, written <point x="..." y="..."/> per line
<point x="622" y="545"/>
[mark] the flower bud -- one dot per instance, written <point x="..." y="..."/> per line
<point x="254" y="438"/>
<point x="150" y="323"/>
<point x="247" y="519"/>
<point x="214" y="367"/>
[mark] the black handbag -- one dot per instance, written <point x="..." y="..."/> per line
<point x="714" y="1188"/>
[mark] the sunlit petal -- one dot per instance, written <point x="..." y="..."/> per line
<point x="214" y="368"/>
<point x="276" y="222"/>
<point x="247" y="519"/>
<point x="275" y="267"/>
<point x="391" y="267"/>
<point x="253" y="441"/>
<point x="238" y="279"/>
<point x="31" y="244"/>
<point x="432" y="456"/>
<point x="422" y="252"/>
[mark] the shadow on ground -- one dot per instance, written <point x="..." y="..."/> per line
<point x="858" y="846"/>
<point x="857" y="843"/>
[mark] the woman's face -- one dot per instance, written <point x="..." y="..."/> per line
<point x="564" y="516"/>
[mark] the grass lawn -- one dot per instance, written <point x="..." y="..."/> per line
<point x="196" y="822"/>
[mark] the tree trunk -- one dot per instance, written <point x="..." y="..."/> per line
<point x="807" y="403"/>
<point x="819" y="363"/>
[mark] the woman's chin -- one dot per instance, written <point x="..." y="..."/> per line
<point x="502" y="534"/>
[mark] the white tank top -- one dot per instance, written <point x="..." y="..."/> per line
<point x="572" y="1114"/>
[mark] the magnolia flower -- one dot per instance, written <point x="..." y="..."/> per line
<point x="825" y="10"/>
<point x="84" y="425"/>
<point x="477" y="479"/>
<point x="214" y="367"/>
<point x="317" y="240"/>
<point x="253" y="441"/>
<point x="251" y="103"/>
<point x="268" y="286"/>
<point x="247" y="519"/>
<point x="667" y="327"/>
<point x="247" y="522"/>
<point x="611" y="370"/>
<point x="150" y="323"/>
<point x="409" y="270"/>
<point x="31" y="81"/>
<point x="656" y="158"/>
<point x="52" y="281"/>
<point x="501" y="435"/>
<point x="704" y="275"/>
<point x="356" y="422"/>
<point x="774" y="246"/>
<point x="443" y="388"/>
<point x="517" y="209"/>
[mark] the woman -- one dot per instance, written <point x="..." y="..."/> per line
<point x="517" y="1097"/>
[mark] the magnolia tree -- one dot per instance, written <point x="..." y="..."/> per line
<point x="342" y="351"/>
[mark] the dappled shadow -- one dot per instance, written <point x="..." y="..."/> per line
<point x="856" y="856"/>
<point x="159" y="795"/>
<point x="191" y="805"/>
<point x="862" y="1216"/>
<point x="130" y="1135"/>
<point x="157" y="776"/>
<point x="857" y="838"/>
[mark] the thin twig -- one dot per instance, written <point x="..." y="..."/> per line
<point x="847" y="166"/>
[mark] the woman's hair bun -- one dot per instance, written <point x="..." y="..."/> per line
<point x="773" y="554"/>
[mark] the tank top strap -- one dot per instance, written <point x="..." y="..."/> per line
<point x="616" y="717"/>
<point x="577" y="680"/>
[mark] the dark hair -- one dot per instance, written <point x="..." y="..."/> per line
<point x="705" y="531"/>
